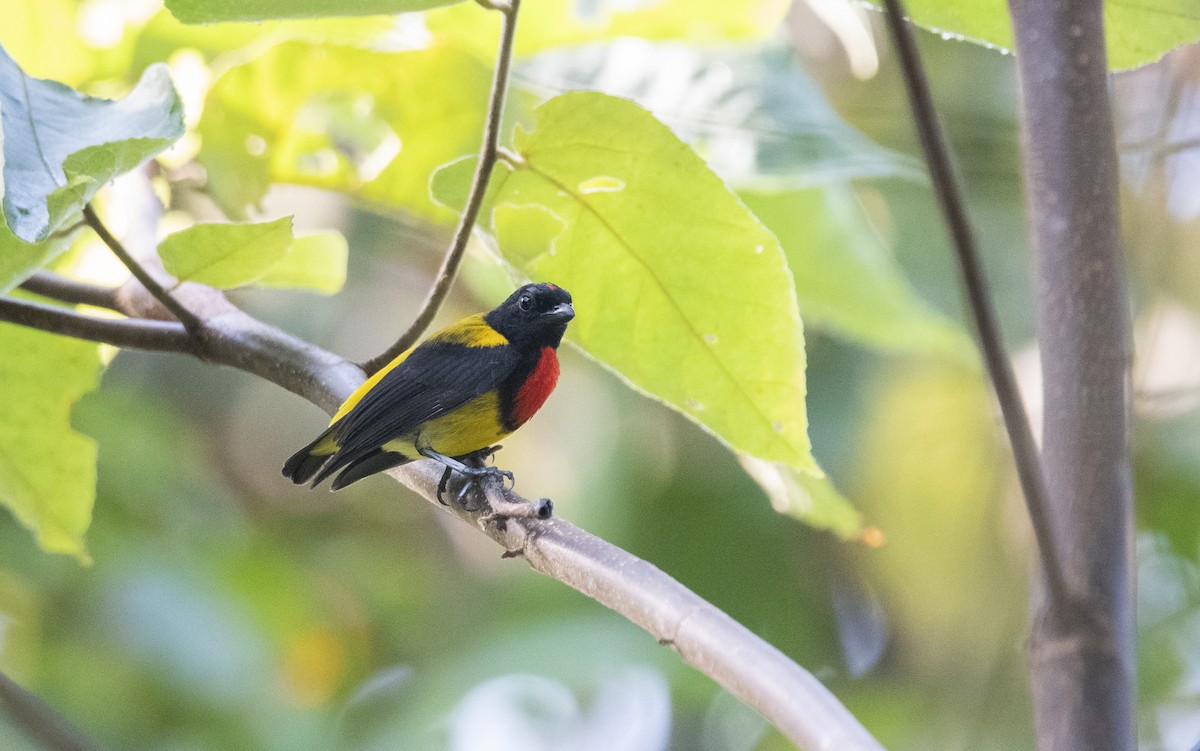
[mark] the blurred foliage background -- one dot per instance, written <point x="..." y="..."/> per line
<point x="224" y="609"/>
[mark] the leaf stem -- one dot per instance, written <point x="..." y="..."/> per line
<point x="950" y="200"/>
<point x="137" y="333"/>
<point x="185" y="316"/>
<point x="483" y="173"/>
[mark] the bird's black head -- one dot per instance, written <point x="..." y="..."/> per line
<point x="536" y="315"/>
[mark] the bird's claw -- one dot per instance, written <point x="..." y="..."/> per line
<point x="441" y="488"/>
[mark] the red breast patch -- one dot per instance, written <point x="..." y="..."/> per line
<point x="537" y="387"/>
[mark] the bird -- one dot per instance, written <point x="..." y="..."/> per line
<point x="450" y="398"/>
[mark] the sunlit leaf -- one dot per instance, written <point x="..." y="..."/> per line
<point x="61" y="146"/>
<point x="316" y="262"/>
<point x="19" y="259"/>
<point x="802" y="495"/>
<point x="561" y="23"/>
<point x="263" y="254"/>
<point x="226" y="255"/>
<point x="47" y="469"/>
<point x="846" y="278"/>
<point x="212" y="11"/>
<point x="755" y="115"/>
<point x="369" y="123"/>
<point x="678" y="287"/>
<point x="1137" y="32"/>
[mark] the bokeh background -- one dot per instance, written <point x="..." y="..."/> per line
<point x="225" y="609"/>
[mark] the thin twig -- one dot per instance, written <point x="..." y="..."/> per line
<point x="158" y="336"/>
<point x="945" y="184"/>
<point x="65" y="289"/>
<point x="185" y="316"/>
<point x="40" y="721"/>
<point x="483" y="173"/>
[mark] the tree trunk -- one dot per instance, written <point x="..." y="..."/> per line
<point x="1082" y="650"/>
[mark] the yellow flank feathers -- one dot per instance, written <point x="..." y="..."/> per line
<point x="472" y="426"/>
<point x="472" y="331"/>
<point x="367" y="385"/>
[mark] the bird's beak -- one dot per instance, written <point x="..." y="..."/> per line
<point x="561" y="312"/>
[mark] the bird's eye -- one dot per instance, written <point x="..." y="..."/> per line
<point x="525" y="302"/>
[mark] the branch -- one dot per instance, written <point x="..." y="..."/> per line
<point x="950" y="200"/>
<point x="71" y="291"/>
<point x="1082" y="658"/>
<point x="186" y="317"/>
<point x="483" y="174"/>
<point x="748" y="667"/>
<point x="160" y="336"/>
<point x="39" y="721"/>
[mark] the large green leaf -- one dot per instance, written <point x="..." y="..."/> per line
<point x="212" y="11"/>
<point x="315" y="262"/>
<point x="225" y="255"/>
<point x="679" y="288"/>
<point x="756" y="115"/>
<point x="369" y="123"/>
<point x="263" y="254"/>
<point x="47" y="469"/>
<point x="61" y="146"/>
<point x="1138" y="31"/>
<point x="846" y="278"/>
<point x="546" y="24"/>
<point x="804" y="496"/>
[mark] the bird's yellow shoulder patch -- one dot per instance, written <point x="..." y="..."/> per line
<point x="472" y="331"/>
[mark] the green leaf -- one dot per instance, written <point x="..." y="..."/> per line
<point x="564" y="23"/>
<point x="368" y="123"/>
<point x="1138" y="32"/>
<point x="807" y="497"/>
<point x="847" y="279"/>
<point x="47" y="470"/>
<point x="61" y="146"/>
<point x="316" y="262"/>
<point x="264" y="254"/>
<point x="756" y="115"/>
<point x="19" y="259"/>
<point x="213" y="11"/>
<point x="226" y="255"/>
<point x="678" y="287"/>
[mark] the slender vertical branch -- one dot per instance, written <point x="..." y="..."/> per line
<point x="479" y="183"/>
<point x="186" y="317"/>
<point x="39" y="721"/>
<point x="1081" y="660"/>
<point x="950" y="199"/>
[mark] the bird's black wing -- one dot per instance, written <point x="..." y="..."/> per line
<point x="437" y="378"/>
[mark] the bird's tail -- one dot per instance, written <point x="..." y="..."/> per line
<point x="308" y="461"/>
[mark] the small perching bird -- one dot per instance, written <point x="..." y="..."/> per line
<point x="449" y="398"/>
